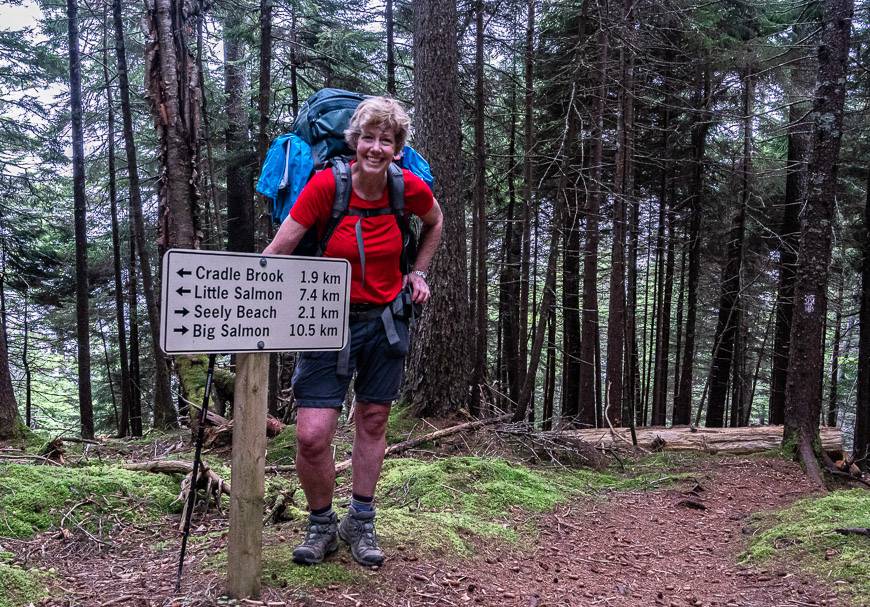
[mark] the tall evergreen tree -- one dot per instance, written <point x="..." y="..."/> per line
<point x="803" y="397"/>
<point x="437" y="381"/>
<point x="86" y="410"/>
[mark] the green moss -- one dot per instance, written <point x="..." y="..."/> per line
<point x="803" y="534"/>
<point x="34" y="498"/>
<point x="19" y="587"/>
<point x="280" y="570"/>
<point x="281" y="450"/>
<point x="439" y="532"/>
<point x="400" y="424"/>
<point x="490" y="486"/>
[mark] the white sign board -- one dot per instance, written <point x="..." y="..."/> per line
<point x="219" y="302"/>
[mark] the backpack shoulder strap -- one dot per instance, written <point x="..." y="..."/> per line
<point x="340" y="202"/>
<point x="396" y="187"/>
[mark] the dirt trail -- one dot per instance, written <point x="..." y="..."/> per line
<point x="635" y="549"/>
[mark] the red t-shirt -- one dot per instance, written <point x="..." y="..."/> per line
<point x="382" y="239"/>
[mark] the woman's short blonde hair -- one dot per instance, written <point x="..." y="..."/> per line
<point x="381" y="112"/>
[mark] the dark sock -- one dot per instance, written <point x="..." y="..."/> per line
<point x="321" y="511"/>
<point x="362" y="503"/>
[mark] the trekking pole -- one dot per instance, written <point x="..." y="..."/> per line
<point x="191" y="498"/>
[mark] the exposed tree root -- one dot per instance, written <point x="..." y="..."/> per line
<point x="207" y="479"/>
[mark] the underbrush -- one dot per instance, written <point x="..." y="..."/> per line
<point x="804" y="535"/>
<point x="36" y="498"/>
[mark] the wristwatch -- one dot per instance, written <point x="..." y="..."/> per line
<point x="420" y="273"/>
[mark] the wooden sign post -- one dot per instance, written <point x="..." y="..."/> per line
<point x="216" y="302"/>
<point x="245" y="541"/>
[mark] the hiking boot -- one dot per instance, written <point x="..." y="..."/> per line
<point x="358" y="530"/>
<point x="320" y="541"/>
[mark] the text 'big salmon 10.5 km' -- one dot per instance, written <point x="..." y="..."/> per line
<point x="218" y="302"/>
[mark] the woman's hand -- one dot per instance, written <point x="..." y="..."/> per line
<point x="420" y="293"/>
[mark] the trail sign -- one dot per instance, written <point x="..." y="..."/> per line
<point x="220" y="302"/>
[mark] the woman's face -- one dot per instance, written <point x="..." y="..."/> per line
<point x="375" y="149"/>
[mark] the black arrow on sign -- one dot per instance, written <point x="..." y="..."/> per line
<point x="182" y="330"/>
<point x="183" y="311"/>
<point x="182" y="290"/>
<point x="182" y="272"/>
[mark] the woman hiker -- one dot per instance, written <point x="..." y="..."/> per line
<point x="377" y="133"/>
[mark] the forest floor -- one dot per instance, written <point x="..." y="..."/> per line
<point x="679" y="538"/>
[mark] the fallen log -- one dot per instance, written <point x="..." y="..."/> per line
<point x="220" y="430"/>
<point x="753" y="439"/>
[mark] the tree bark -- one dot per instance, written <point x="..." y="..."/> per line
<point x="481" y="312"/>
<point x="528" y="193"/>
<point x="86" y="411"/>
<point x="587" y="370"/>
<point x="729" y="301"/>
<point x="622" y="188"/>
<point x="124" y="417"/>
<point x="835" y="348"/>
<point x="172" y="83"/>
<point x="789" y="232"/>
<point x="164" y="411"/>
<point x="239" y="156"/>
<point x="861" y="443"/>
<point x="437" y="381"/>
<point x="509" y="288"/>
<point x="683" y="397"/>
<point x="391" y="48"/>
<point x="803" y="398"/>
<point x="10" y="422"/>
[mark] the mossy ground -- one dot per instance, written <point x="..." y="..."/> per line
<point x="281" y="450"/>
<point x="19" y="587"/>
<point x="804" y="535"/>
<point x="34" y="498"/>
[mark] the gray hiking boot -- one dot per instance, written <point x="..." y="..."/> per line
<point x="320" y="541"/>
<point x="358" y="530"/>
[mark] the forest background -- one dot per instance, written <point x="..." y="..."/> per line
<point x="626" y="185"/>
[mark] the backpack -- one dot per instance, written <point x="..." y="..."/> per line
<point x="316" y="141"/>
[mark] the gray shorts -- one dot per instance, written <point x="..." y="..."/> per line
<point x="379" y="368"/>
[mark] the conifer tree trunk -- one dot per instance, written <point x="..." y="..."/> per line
<point x="239" y="163"/>
<point x="438" y="376"/>
<point x="25" y="362"/>
<point x="528" y="176"/>
<point x="683" y="397"/>
<point x="574" y="406"/>
<point x="10" y="422"/>
<point x="789" y="232"/>
<point x="480" y="306"/>
<point x="550" y="375"/>
<point x="861" y="443"/>
<point x="265" y="81"/>
<point x="135" y="375"/>
<point x="164" y="410"/>
<point x="509" y="288"/>
<point x="86" y="411"/>
<point x="391" y="48"/>
<point x="172" y="82"/>
<point x="124" y="417"/>
<point x="729" y="301"/>
<point x="622" y="188"/>
<point x="803" y="398"/>
<point x="589" y="339"/>
<point x="835" y="347"/>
